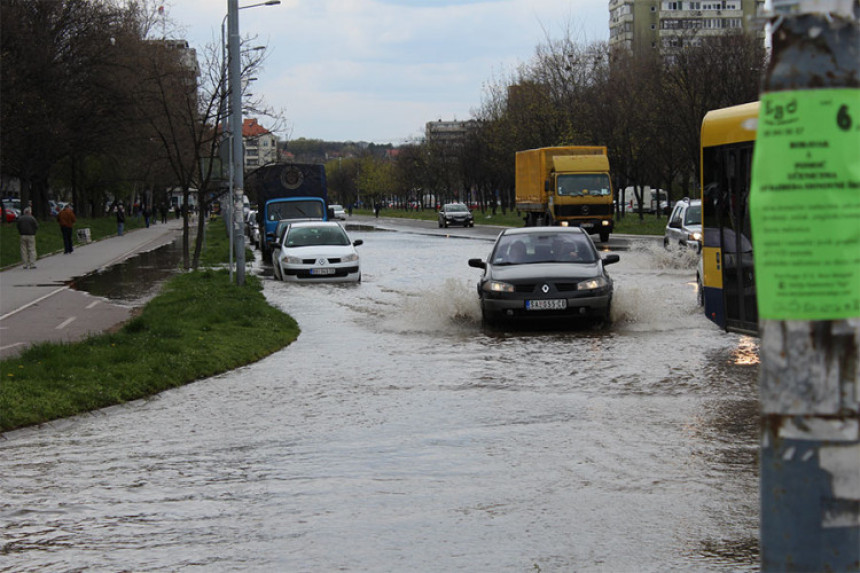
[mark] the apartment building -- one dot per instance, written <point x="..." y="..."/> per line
<point x="664" y="25"/>
<point x="261" y="145"/>
<point x="449" y="132"/>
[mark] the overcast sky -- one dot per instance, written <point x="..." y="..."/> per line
<point x="378" y="70"/>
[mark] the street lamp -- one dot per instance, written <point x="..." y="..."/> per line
<point x="237" y="175"/>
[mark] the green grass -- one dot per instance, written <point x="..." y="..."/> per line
<point x="49" y="240"/>
<point x="198" y="326"/>
<point x="630" y="224"/>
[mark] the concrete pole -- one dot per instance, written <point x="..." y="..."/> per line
<point x="807" y="166"/>
<point x="235" y="92"/>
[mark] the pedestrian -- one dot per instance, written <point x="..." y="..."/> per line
<point x="67" y="221"/>
<point x="27" y="227"/>
<point x="376" y="207"/>
<point x="120" y="219"/>
<point x="162" y="209"/>
<point x="146" y="214"/>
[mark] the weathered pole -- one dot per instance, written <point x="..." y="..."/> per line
<point x="238" y="158"/>
<point x="805" y="210"/>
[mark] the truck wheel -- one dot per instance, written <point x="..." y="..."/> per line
<point x="604" y="236"/>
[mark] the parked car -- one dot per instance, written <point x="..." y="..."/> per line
<point x="316" y="251"/>
<point x="339" y="212"/>
<point x="544" y="273"/>
<point x="684" y="226"/>
<point x="455" y="214"/>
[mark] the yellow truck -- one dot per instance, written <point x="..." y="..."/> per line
<point x="566" y="186"/>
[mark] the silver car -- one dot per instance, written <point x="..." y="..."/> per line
<point x="684" y="227"/>
<point x="545" y="273"/>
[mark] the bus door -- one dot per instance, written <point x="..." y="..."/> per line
<point x="739" y="295"/>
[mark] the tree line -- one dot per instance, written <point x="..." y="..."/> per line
<point x="647" y="109"/>
<point x="98" y="103"/>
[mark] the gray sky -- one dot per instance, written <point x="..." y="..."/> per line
<point x="378" y="70"/>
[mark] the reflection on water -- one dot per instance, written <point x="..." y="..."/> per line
<point x="137" y="279"/>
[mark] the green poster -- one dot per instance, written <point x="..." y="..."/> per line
<point x="805" y="205"/>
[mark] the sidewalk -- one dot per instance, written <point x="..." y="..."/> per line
<point x="37" y="305"/>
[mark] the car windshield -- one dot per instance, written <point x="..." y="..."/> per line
<point x="295" y="210"/>
<point x="456" y="208"/>
<point x="580" y="185"/>
<point x="693" y="215"/>
<point x="544" y="248"/>
<point x="309" y="236"/>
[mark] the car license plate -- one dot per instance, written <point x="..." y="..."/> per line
<point x="547" y="304"/>
<point x="323" y="271"/>
<point x="587" y="225"/>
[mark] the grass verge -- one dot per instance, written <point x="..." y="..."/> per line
<point x="198" y="326"/>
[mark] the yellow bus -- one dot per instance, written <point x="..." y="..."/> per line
<point x="726" y="276"/>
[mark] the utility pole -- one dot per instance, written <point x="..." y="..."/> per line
<point x="235" y="93"/>
<point x="805" y="211"/>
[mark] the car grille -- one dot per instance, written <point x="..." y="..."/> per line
<point x="531" y="287"/>
<point x="306" y="273"/>
<point x="314" y="260"/>
<point x="577" y="210"/>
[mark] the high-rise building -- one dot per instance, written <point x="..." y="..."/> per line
<point x="643" y="26"/>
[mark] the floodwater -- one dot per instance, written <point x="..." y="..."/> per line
<point x="397" y="435"/>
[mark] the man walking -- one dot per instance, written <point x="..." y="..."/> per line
<point x="67" y="220"/>
<point x="120" y="220"/>
<point x="27" y="227"/>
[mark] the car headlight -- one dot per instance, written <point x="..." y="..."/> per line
<point x="592" y="284"/>
<point x="498" y="286"/>
<point x="292" y="260"/>
<point x="694" y="237"/>
<point x="352" y="257"/>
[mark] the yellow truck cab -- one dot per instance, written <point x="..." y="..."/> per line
<point x="566" y="186"/>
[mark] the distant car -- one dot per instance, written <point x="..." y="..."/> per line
<point x="339" y="212"/>
<point x="684" y="227"/>
<point x="11" y="214"/>
<point x="545" y="273"/>
<point x="455" y="214"/>
<point x="316" y="251"/>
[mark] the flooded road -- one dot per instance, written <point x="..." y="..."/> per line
<point x="397" y="435"/>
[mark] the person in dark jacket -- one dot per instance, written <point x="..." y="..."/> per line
<point x="120" y="220"/>
<point x="27" y="227"/>
<point x="67" y="221"/>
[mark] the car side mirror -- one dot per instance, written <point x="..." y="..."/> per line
<point x="357" y="242"/>
<point x="610" y="258"/>
<point x="479" y="264"/>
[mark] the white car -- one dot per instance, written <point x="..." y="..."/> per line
<point x="339" y="212"/>
<point x="684" y="227"/>
<point x="316" y="251"/>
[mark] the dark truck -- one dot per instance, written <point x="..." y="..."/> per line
<point x="286" y="191"/>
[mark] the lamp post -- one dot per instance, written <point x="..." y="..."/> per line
<point x="237" y="174"/>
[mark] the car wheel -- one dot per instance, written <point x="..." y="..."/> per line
<point x="665" y="242"/>
<point x="604" y="236"/>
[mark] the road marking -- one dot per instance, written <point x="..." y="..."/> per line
<point x="92" y="304"/>
<point x="11" y="346"/>
<point x="29" y="304"/>
<point x="66" y="323"/>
